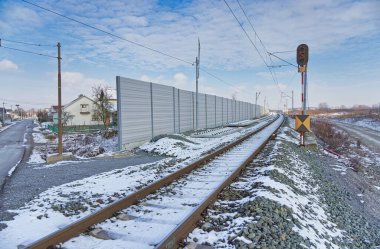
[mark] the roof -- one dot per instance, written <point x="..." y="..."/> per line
<point x="75" y="100"/>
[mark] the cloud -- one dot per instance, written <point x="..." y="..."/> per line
<point x="6" y="65"/>
<point x="18" y="19"/>
<point x="322" y="24"/>
<point x="76" y="83"/>
<point x="179" y="80"/>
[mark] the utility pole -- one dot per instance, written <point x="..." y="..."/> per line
<point x="292" y="103"/>
<point x="60" y="148"/>
<point x="3" y="112"/>
<point x="18" y="110"/>
<point x="265" y="100"/>
<point x="257" y="96"/>
<point x="197" y="61"/>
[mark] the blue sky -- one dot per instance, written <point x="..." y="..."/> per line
<point x="343" y="37"/>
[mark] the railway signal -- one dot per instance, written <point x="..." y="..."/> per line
<point x="302" y="55"/>
<point x="303" y="121"/>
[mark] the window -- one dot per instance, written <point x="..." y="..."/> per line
<point x="84" y="108"/>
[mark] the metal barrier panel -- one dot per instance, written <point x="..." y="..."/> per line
<point x="219" y="111"/>
<point x="186" y="110"/>
<point x="225" y="111"/>
<point x="230" y="110"/>
<point x="146" y="110"/>
<point x="176" y="110"/>
<point x="134" y="111"/>
<point x="163" y="113"/>
<point x="202" y="110"/>
<point x="210" y="111"/>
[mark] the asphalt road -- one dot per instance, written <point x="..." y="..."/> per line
<point x="367" y="136"/>
<point x="12" y="147"/>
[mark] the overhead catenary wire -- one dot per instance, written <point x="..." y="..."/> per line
<point x="281" y="52"/>
<point x="127" y="40"/>
<point x="262" y="44"/>
<point x="28" y="43"/>
<point x="257" y="50"/>
<point x="291" y="64"/>
<point x="29" y="52"/>
<point x="109" y="33"/>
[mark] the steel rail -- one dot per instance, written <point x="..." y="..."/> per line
<point x="189" y="223"/>
<point x="83" y="224"/>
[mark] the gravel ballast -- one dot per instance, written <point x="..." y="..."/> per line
<point x="289" y="197"/>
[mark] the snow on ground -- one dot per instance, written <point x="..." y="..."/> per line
<point x="184" y="147"/>
<point x="39" y="138"/>
<point x="81" y="145"/>
<point x="61" y="205"/>
<point x="363" y="122"/>
<point x="3" y="128"/>
<point x="300" y="197"/>
<point x="35" y="158"/>
<point x="10" y="172"/>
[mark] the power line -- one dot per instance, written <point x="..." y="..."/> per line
<point x="249" y="38"/>
<point x="27" y="43"/>
<point x="250" y="23"/>
<point x="291" y="64"/>
<point x="25" y="102"/>
<point x="108" y="33"/>
<point x="281" y="52"/>
<point x="29" y="52"/>
<point x="127" y="40"/>
<point x="216" y="77"/>
<point x="257" y="50"/>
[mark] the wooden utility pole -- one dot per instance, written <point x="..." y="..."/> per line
<point x="60" y="147"/>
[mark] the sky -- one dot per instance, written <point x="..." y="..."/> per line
<point x="343" y="38"/>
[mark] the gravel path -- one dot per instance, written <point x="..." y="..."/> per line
<point x="367" y="136"/>
<point x="30" y="180"/>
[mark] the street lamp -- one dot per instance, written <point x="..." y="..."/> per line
<point x="18" y="110"/>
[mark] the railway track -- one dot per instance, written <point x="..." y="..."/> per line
<point x="162" y="214"/>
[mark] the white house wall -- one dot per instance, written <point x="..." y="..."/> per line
<point x="80" y="118"/>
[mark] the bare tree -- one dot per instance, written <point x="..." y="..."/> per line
<point x="323" y="106"/>
<point x="66" y="117"/>
<point x="102" y="103"/>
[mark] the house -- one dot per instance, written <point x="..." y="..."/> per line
<point x="5" y="115"/>
<point x="52" y="112"/>
<point x="80" y="111"/>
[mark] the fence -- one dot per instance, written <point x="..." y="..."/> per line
<point x="146" y="110"/>
<point x="78" y="128"/>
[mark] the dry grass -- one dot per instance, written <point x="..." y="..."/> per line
<point x="335" y="140"/>
<point x="338" y="141"/>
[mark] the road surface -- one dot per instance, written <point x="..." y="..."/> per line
<point x="367" y="136"/>
<point x="12" y="147"/>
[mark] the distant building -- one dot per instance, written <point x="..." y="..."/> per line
<point x="80" y="111"/>
<point x="5" y="114"/>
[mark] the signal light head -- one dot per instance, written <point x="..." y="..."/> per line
<point x="302" y="54"/>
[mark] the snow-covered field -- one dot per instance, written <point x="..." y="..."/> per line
<point x="364" y="122"/>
